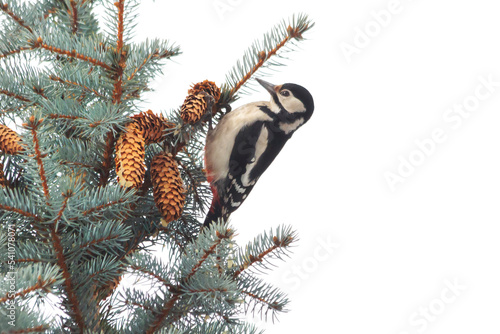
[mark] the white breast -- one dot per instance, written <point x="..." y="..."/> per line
<point x="220" y="141"/>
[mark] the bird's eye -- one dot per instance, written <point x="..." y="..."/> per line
<point x="285" y="93"/>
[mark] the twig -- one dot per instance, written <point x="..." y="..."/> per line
<point x="40" y="285"/>
<point x="118" y="89"/>
<point x="150" y="273"/>
<point x="32" y="126"/>
<point x="100" y="207"/>
<point x="70" y="53"/>
<point x="21" y="49"/>
<point x="61" y="261"/>
<point x="16" y="96"/>
<point x="19" y="211"/>
<point x="5" y="8"/>
<point x="73" y="83"/>
<point x="74" y="17"/>
<point x="155" y="325"/>
<point x="253" y="259"/>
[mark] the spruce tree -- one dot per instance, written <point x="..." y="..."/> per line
<point x="89" y="182"/>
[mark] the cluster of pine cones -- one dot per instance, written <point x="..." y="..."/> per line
<point x="146" y="128"/>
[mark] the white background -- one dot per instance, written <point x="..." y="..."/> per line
<point x="392" y="252"/>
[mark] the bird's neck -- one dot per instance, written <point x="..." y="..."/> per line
<point x="283" y="121"/>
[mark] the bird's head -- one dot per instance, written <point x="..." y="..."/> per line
<point x="294" y="99"/>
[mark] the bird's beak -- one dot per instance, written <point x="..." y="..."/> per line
<point x="268" y="86"/>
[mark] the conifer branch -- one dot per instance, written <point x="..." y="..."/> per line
<point x="152" y="274"/>
<point x="144" y="307"/>
<point x="16" y="51"/>
<point x="271" y="305"/>
<point x="95" y="124"/>
<point x="96" y="273"/>
<point x="28" y="261"/>
<point x="132" y="95"/>
<point x="100" y="207"/>
<point x="252" y="259"/>
<point x="57" y="116"/>
<point x="76" y="84"/>
<point x="32" y="126"/>
<point x="154" y="55"/>
<point x="66" y="196"/>
<point x="50" y="11"/>
<point x="118" y="86"/>
<point x="16" y="96"/>
<point x="68" y="284"/>
<point x="39" y="91"/>
<point x="156" y="324"/>
<point x="74" y="17"/>
<point x="19" y="211"/>
<point x="209" y="252"/>
<point x="40" y="285"/>
<point x="37" y="329"/>
<point x="120" y="4"/>
<point x="5" y="8"/>
<point x="87" y="245"/>
<point x="207" y="290"/>
<point x="137" y="69"/>
<point x="70" y="53"/>
<point x="77" y="164"/>
<point x="262" y="58"/>
<point x="197" y="197"/>
<point x="259" y="54"/>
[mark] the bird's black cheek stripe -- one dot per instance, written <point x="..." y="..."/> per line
<point x="277" y="101"/>
<point x="268" y="112"/>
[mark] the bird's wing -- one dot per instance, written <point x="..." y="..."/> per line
<point x="243" y="155"/>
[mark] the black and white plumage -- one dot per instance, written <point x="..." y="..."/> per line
<point x="247" y="140"/>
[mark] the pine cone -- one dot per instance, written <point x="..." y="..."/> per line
<point x="3" y="181"/>
<point x="168" y="189"/>
<point x="129" y="158"/>
<point x="208" y="87"/>
<point x="193" y="108"/>
<point x="9" y="140"/>
<point x="152" y="126"/>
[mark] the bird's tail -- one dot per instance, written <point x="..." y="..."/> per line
<point x="215" y="213"/>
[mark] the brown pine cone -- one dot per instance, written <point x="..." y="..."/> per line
<point x="193" y="108"/>
<point x="9" y="140"/>
<point x="168" y="189"/>
<point x="152" y="126"/>
<point x="3" y="181"/>
<point x="208" y="87"/>
<point x="129" y="160"/>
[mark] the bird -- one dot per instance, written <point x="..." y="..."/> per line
<point x="247" y="140"/>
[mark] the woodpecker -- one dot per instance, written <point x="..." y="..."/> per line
<point x="247" y="140"/>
